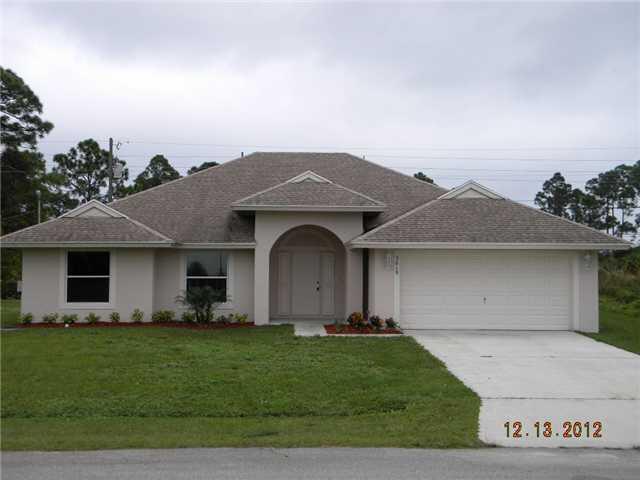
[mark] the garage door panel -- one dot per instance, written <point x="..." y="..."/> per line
<point x="488" y="290"/>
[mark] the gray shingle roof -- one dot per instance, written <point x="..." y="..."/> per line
<point x="477" y="220"/>
<point x="310" y="193"/>
<point x="197" y="208"/>
<point x="82" y="230"/>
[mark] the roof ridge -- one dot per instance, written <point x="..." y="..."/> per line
<point x="431" y="185"/>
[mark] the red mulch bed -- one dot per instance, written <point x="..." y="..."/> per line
<point x="349" y="330"/>
<point x="189" y="326"/>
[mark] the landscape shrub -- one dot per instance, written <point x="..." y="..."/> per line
<point x="137" y="316"/>
<point x="92" y="318"/>
<point x="376" y="322"/>
<point x="188" y="317"/>
<point x="163" y="316"/>
<point x="203" y="302"/>
<point x="356" y="320"/>
<point x="114" y="317"/>
<point x="26" y="318"/>
<point x="391" y="323"/>
<point x="241" y="318"/>
<point x="50" y="318"/>
<point x="69" y="318"/>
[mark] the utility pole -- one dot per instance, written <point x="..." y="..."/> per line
<point x="38" y="195"/>
<point x="110" y="192"/>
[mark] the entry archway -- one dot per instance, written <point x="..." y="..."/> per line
<point x="307" y="275"/>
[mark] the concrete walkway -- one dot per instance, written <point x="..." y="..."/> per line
<point x="305" y="328"/>
<point x="323" y="463"/>
<point x="544" y="376"/>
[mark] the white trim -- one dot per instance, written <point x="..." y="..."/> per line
<point x="491" y="246"/>
<point x="87" y="245"/>
<point x="471" y="185"/>
<point x="93" y="204"/>
<point x="182" y="277"/>
<point x="309" y="175"/>
<point x="216" y="246"/>
<point x="64" y="304"/>
<point x="575" y="292"/>
<point x="396" y="288"/>
<point x="310" y="208"/>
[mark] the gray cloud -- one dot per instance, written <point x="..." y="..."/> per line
<point x="404" y="75"/>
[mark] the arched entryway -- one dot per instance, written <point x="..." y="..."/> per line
<point x="307" y="275"/>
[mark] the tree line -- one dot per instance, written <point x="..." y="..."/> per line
<point x="609" y="201"/>
<point x="78" y="175"/>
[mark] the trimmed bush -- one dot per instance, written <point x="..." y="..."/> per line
<point x="163" y="316"/>
<point x="356" y="320"/>
<point x="114" y="317"/>
<point x="69" y="318"/>
<point x="137" y="316"/>
<point x="26" y="318"/>
<point x="391" y="323"/>
<point x="92" y="318"/>
<point x="241" y="318"/>
<point x="188" y="317"/>
<point x="50" y="318"/>
<point x="376" y="322"/>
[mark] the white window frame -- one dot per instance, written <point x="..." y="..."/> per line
<point x="182" y="286"/>
<point x="64" y="265"/>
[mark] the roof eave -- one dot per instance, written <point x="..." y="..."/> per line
<point x="308" y="208"/>
<point x="490" y="245"/>
<point x="97" y="244"/>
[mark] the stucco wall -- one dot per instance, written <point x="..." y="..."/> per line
<point x="43" y="283"/>
<point x="586" y="295"/>
<point x="141" y="278"/>
<point x="269" y="226"/>
<point x="170" y="281"/>
<point x="381" y="284"/>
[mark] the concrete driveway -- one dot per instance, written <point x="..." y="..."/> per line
<point x="555" y="377"/>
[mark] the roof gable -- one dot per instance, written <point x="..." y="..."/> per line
<point x="309" y="192"/>
<point x="472" y="189"/>
<point x="93" y="208"/>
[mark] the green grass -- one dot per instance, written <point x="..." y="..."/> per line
<point x="619" y="326"/>
<point x="9" y="312"/>
<point x="147" y="388"/>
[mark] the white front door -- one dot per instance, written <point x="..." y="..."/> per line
<point x="306" y="283"/>
<point x="305" y="287"/>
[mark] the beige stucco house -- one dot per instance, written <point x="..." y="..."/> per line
<point x="317" y="236"/>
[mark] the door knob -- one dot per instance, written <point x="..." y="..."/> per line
<point x="317" y="286"/>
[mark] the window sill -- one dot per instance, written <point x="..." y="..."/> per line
<point x="87" y="306"/>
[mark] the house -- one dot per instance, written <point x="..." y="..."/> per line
<point x="317" y="236"/>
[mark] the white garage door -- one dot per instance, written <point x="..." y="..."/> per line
<point x="488" y="290"/>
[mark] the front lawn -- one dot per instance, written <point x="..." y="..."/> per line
<point x="146" y="388"/>
<point x="9" y="312"/>
<point x="619" y="326"/>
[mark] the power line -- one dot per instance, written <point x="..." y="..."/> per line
<point x="348" y="147"/>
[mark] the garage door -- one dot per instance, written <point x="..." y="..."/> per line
<point x="489" y="290"/>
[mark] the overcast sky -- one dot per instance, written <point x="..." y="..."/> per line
<point x="456" y="90"/>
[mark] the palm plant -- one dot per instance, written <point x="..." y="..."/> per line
<point x="202" y="301"/>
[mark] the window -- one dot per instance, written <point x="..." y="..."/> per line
<point x="208" y="269"/>
<point x="88" y="276"/>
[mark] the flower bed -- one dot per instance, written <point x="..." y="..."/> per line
<point x="190" y="326"/>
<point x="349" y="330"/>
